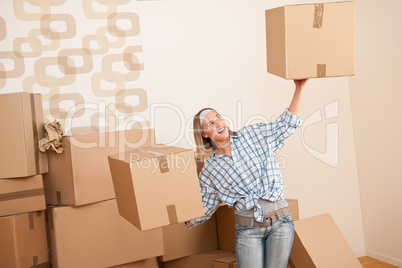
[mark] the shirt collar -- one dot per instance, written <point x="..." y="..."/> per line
<point x="214" y="155"/>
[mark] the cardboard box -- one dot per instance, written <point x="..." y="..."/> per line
<point x="148" y="263"/>
<point x="319" y="243"/>
<point x="21" y="195"/>
<point x="200" y="161"/>
<point x="315" y="40"/>
<point x="201" y="260"/>
<point x="293" y="205"/>
<point x="225" y="218"/>
<point x="80" y="175"/>
<point x="21" y="129"/>
<point x="158" y="180"/>
<point x="180" y="241"/>
<point x="23" y="240"/>
<point x="96" y="235"/>
<point x="226" y="262"/>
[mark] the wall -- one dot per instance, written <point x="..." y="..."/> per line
<point x="376" y="94"/>
<point x="84" y="57"/>
<point x="212" y="54"/>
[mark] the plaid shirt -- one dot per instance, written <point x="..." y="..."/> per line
<point x="252" y="171"/>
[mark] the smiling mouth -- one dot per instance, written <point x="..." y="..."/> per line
<point x="221" y="130"/>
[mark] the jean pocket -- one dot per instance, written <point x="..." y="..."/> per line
<point x="288" y="218"/>
<point x="244" y="230"/>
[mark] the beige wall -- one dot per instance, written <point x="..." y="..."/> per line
<point x="84" y="57"/>
<point x="376" y="96"/>
<point x="212" y="53"/>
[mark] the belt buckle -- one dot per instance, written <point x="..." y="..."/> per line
<point x="267" y="221"/>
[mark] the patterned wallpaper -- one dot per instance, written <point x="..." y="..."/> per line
<point x="83" y="56"/>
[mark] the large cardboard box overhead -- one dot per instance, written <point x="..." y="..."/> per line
<point x="225" y="218"/>
<point x="315" y="40"/>
<point x="318" y="242"/>
<point x="180" y="241"/>
<point x="96" y="235"/>
<point x="21" y="195"/>
<point x="201" y="260"/>
<point x="156" y="186"/>
<point x="80" y="175"/>
<point x="21" y="123"/>
<point x="23" y="240"/>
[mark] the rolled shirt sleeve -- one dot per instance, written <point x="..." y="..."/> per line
<point x="284" y="126"/>
<point x="210" y="200"/>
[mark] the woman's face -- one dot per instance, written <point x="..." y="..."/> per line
<point x="215" y="127"/>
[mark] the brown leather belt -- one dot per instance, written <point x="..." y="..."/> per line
<point x="267" y="221"/>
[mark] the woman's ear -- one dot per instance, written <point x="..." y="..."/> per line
<point x="204" y="135"/>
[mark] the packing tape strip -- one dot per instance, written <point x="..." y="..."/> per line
<point x="163" y="163"/>
<point x="172" y="214"/>
<point x="31" y="221"/>
<point x="321" y="70"/>
<point x="35" y="260"/>
<point x="318" y="15"/>
<point x="150" y="152"/>
<point x="50" y="217"/>
<point x="58" y="196"/>
<point x="35" y="133"/>
<point x="21" y="194"/>
<point x="41" y="265"/>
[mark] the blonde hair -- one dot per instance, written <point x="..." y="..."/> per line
<point x="204" y="145"/>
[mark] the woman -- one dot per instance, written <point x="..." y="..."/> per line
<point x="242" y="171"/>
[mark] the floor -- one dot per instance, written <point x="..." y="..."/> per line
<point x="368" y="262"/>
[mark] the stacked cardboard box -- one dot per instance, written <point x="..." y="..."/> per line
<point x="96" y="235"/>
<point x="20" y="195"/>
<point x="23" y="241"/>
<point x="22" y="127"/>
<point x="180" y="241"/>
<point x="80" y="175"/>
<point x="84" y="226"/>
<point x="169" y="173"/>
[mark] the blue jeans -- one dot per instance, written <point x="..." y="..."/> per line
<point x="271" y="246"/>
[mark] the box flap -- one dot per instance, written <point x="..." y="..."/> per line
<point x="320" y="239"/>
